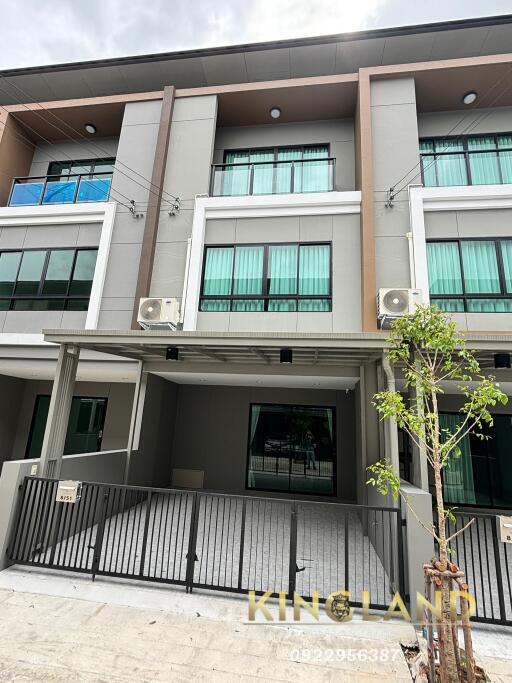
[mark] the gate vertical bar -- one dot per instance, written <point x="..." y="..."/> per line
<point x="145" y="535"/>
<point x="499" y="574"/>
<point x="98" y="543"/>
<point x="292" y="570"/>
<point x="242" y="541"/>
<point x="400" y="558"/>
<point x="192" y="541"/>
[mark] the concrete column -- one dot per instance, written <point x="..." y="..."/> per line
<point x="419" y="544"/>
<point x="369" y="430"/>
<point x="390" y="426"/>
<point x="58" y="413"/>
<point x="419" y="457"/>
<point x="136" y="419"/>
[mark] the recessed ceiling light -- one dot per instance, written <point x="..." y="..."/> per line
<point x="90" y="128"/>
<point x="470" y="97"/>
<point x="275" y="112"/>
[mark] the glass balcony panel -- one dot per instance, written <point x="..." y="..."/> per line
<point x="26" y="193"/>
<point x="95" y="189"/>
<point x="60" y="191"/>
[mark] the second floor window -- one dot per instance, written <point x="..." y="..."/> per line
<point x="471" y="275"/>
<point x="271" y="277"/>
<point x="46" y="280"/>
<point x="276" y="170"/>
<point x="470" y="160"/>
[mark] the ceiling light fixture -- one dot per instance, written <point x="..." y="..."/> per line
<point x="172" y="353"/>
<point x="275" y="112"/>
<point x="470" y="97"/>
<point x="90" y="128"/>
<point x="286" y="356"/>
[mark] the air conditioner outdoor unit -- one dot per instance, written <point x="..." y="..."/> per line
<point x="394" y="303"/>
<point x="158" y="314"/>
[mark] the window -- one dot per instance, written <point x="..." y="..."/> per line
<point x="466" y="160"/>
<point x="84" y="166"/>
<point x="482" y="474"/>
<point x="292" y="448"/>
<point x="272" y="277"/>
<point x="46" y="280"/>
<point x="276" y="170"/>
<point x="471" y="275"/>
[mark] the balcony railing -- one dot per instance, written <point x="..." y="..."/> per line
<point x="272" y="177"/>
<point x="85" y="187"/>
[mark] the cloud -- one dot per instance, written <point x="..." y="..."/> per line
<point x="38" y="32"/>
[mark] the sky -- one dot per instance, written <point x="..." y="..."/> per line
<point x="37" y="32"/>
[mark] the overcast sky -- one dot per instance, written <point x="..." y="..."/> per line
<point x="36" y="32"/>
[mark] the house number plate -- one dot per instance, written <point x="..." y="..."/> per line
<point x="68" y="491"/>
<point x="505" y="528"/>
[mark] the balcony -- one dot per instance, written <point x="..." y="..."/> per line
<point x="273" y="177"/>
<point x="70" y="189"/>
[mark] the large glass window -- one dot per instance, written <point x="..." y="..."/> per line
<point x="274" y="170"/>
<point x="471" y="275"/>
<point x="466" y="160"/>
<point x="272" y="277"/>
<point x="292" y="448"/>
<point x="46" y="279"/>
<point x="482" y="474"/>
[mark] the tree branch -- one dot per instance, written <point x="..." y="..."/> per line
<point x="450" y="538"/>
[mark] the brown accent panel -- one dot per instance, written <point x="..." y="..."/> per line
<point x="154" y="202"/>
<point x="86" y="101"/>
<point x="364" y="180"/>
<point x="16" y="152"/>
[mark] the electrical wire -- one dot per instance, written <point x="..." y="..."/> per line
<point x="159" y="193"/>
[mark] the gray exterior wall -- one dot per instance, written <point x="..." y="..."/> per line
<point x="339" y="134"/>
<point x="187" y="174"/>
<point x="497" y="120"/>
<point x="212" y="426"/>
<point x="22" y="394"/>
<point x="342" y="231"/>
<point x="136" y="150"/>
<point x="466" y="225"/>
<point x="45" y="237"/>
<point x="64" y="150"/>
<point x="395" y="152"/>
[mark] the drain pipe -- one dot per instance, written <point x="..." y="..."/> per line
<point x="391" y="424"/>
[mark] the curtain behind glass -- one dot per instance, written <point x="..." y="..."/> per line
<point x="248" y="273"/>
<point x="282" y="269"/>
<point x="480" y="267"/>
<point x="444" y="274"/>
<point x="218" y="271"/>
<point x="505" y="141"/>
<point x="483" y="165"/>
<point x="458" y="481"/>
<point x="284" y="170"/>
<point x="451" y="168"/>
<point x="263" y="175"/>
<point x="236" y="178"/>
<point x="506" y="253"/>
<point x="314" y="269"/>
<point x="315" y="174"/>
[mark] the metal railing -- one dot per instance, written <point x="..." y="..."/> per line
<point x="273" y="177"/>
<point x="212" y="540"/>
<point x="83" y="187"/>
<point x="487" y="564"/>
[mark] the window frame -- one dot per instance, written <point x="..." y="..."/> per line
<point x="465" y="296"/>
<point x="265" y="296"/>
<point x="40" y="295"/>
<point x="466" y="152"/>
<point x="84" y="162"/>
<point x="334" y="440"/>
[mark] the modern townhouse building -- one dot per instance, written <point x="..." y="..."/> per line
<point x="276" y="204"/>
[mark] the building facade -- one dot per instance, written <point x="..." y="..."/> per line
<point x="274" y="190"/>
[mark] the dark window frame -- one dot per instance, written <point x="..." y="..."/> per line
<point x="491" y="505"/>
<point x="38" y="397"/>
<point x="503" y="295"/>
<point x="334" y="440"/>
<point x="466" y="152"/>
<point x="40" y="295"/>
<point x="264" y="296"/>
<point x="81" y="162"/>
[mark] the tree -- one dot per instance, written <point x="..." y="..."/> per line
<point x="430" y="351"/>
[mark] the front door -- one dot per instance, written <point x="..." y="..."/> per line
<point x="85" y="426"/>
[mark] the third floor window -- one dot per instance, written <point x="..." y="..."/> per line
<point x="276" y="170"/>
<point x="469" y="160"/>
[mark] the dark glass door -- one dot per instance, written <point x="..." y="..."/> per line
<point x="85" y="427"/>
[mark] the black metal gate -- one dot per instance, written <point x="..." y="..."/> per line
<point x="211" y="540"/>
<point x="487" y="563"/>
